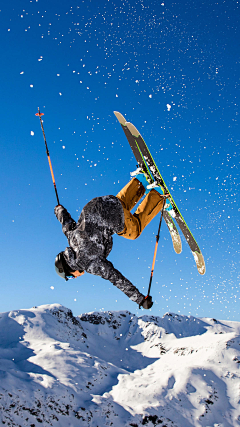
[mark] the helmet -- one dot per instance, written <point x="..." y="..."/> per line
<point x="61" y="267"/>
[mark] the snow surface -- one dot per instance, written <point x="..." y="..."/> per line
<point x="115" y="369"/>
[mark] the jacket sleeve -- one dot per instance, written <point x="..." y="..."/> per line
<point x="105" y="269"/>
<point x="65" y="219"/>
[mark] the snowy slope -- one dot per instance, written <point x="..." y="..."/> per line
<point x="114" y="369"/>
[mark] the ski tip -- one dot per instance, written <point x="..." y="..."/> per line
<point x="200" y="262"/>
<point x="177" y="244"/>
<point x="120" y="118"/>
<point x="132" y="129"/>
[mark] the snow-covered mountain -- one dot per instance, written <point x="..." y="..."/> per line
<point x="115" y="369"/>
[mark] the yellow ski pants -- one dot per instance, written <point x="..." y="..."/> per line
<point x="150" y="206"/>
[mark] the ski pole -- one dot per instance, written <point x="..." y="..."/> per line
<point x="48" y="155"/>
<point x="156" y="247"/>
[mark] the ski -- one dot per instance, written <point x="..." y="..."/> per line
<point x="151" y="166"/>
<point x="176" y="240"/>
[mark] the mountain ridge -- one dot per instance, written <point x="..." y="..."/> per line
<point x="114" y="368"/>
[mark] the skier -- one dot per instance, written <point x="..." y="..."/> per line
<point x="90" y="239"/>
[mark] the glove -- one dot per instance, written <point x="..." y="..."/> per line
<point x="56" y="209"/>
<point x="146" y="302"/>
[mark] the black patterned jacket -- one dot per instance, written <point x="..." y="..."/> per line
<point x="90" y="241"/>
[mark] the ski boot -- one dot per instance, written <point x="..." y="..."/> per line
<point x="142" y="177"/>
<point x="146" y="302"/>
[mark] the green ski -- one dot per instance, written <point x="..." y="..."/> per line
<point x="133" y="135"/>
<point x="176" y="240"/>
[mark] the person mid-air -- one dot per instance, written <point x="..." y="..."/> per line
<point x="90" y="239"/>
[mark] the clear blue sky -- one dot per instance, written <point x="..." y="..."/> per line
<point x="78" y="62"/>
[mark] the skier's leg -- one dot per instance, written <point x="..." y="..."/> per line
<point x="131" y="227"/>
<point x="150" y="206"/>
<point x="168" y="207"/>
<point x="131" y="194"/>
<point x="147" y="210"/>
<point x="129" y="197"/>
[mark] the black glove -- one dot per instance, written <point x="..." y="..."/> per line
<point x="56" y="209"/>
<point x="146" y="302"/>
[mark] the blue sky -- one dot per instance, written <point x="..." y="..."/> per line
<point x="78" y="62"/>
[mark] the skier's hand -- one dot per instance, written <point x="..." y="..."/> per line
<point x="56" y="208"/>
<point x="146" y="302"/>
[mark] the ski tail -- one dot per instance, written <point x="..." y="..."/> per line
<point x="176" y="239"/>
